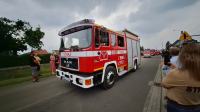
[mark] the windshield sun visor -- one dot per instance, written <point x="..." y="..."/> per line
<point x="75" y="29"/>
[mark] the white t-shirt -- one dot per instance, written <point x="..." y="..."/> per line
<point x="174" y="61"/>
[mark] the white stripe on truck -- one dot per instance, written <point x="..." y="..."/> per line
<point x="90" y="53"/>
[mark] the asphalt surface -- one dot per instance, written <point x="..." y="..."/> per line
<point x="53" y="95"/>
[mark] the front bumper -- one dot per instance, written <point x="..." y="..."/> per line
<point x="84" y="82"/>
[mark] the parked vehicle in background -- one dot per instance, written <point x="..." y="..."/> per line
<point x="142" y="53"/>
<point x="153" y="52"/>
<point x="157" y="52"/>
<point x="147" y="54"/>
<point x="91" y="54"/>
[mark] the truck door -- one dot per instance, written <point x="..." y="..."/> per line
<point x="130" y="54"/>
<point x="134" y="47"/>
<point x="139" y="53"/>
<point x="101" y="47"/>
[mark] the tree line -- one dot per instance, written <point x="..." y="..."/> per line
<point x="17" y="35"/>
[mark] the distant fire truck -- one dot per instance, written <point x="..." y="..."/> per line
<point x="91" y="54"/>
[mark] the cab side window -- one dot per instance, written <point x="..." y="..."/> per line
<point x="97" y="38"/>
<point x="120" y="41"/>
<point x="113" y="39"/>
<point x="104" y="38"/>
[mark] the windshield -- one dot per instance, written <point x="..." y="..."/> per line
<point x="80" y="38"/>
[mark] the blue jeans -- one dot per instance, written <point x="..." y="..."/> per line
<point x="174" y="107"/>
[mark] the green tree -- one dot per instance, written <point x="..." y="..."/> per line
<point x="10" y="34"/>
<point x="16" y="35"/>
<point x="141" y="48"/>
<point x="33" y="37"/>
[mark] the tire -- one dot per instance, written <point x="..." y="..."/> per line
<point x="110" y="77"/>
<point x="135" y="66"/>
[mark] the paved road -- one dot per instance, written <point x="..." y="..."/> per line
<point x="52" y="95"/>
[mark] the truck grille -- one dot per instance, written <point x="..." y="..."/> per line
<point x="71" y="63"/>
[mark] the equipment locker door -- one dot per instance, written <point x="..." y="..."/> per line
<point x="130" y="54"/>
<point x="134" y="48"/>
<point x="139" y="52"/>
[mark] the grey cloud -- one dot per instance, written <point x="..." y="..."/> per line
<point x="152" y="17"/>
<point x="67" y="5"/>
<point x="81" y="6"/>
<point x="176" y="4"/>
<point x="156" y="15"/>
<point x="53" y="13"/>
<point x="35" y="13"/>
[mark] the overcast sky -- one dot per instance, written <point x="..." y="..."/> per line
<point x="155" y="21"/>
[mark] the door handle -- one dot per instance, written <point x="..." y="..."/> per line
<point x="98" y="53"/>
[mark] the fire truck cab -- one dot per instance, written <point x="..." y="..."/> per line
<point x="91" y="54"/>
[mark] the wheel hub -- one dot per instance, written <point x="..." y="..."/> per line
<point x="110" y="77"/>
<point x="135" y="66"/>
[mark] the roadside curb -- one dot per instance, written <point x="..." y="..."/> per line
<point x="155" y="98"/>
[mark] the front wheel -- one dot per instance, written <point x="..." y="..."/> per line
<point x="110" y="77"/>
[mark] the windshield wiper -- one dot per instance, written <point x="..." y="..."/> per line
<point x="62" y="49"/>
<point x="75" y="48"/>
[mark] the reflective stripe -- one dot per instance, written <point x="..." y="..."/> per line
<point x="98" y="69"/>
<point x="90" y="53"/>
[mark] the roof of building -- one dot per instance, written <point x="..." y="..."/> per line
<point x="42" y="51"/>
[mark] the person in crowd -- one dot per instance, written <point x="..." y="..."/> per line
<point x="162" y="53"/>
<point x="38" y="59"/>
<point x="170" y="59"/>
<point x="34" y="66"/>
<point x="56" y="61"/>
<point x="183" y="84"/>
<point x="166" y="62"/>
<point x="174" y="52"/>
<point x="52" y="63"/>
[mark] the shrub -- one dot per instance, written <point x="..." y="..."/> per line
<point x="22" y="60"/>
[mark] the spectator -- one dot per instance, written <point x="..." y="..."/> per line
<point x="166" y="63"/>
<point x="162" y="53"/>
<point x="56" y="61"/>
<point x="34" y="63"/>
<point x="183" y="84"/>
<point x="38" y="59"/>
<point x="167" y="58"/>
<point x="52" y="63"/>
<point x="174" y="52"/>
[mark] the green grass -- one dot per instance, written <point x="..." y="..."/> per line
<point x="15" y="76"/>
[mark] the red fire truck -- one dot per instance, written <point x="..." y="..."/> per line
<point x="91" y="54"/>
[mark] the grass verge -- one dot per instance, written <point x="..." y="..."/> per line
<point x="16" y="76"/>
<point x="19" y="80"/>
